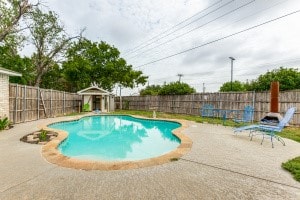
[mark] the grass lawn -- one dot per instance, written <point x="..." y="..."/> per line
<point x="292" y="133"/>
<point x="179" y="116"/>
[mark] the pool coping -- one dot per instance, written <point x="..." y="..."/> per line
<point x="52" y="154"/>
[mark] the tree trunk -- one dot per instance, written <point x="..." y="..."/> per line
<point x="38" y="79"/>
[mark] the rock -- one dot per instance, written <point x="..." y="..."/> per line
<point x="30" y="137"/>
<point x="52" y="137"/>
<point x="42" y="143"/>
<point x="32" y="142"/>
<point x="36" y="133"/>
<point x="51" y="133"/>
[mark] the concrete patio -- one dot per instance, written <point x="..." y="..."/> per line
<point x="220" y="165"/>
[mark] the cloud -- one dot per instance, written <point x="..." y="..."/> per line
<point x="130" y="23"/>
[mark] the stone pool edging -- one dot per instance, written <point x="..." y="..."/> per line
<point x="52" y="154"/>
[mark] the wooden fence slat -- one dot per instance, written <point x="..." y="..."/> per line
<point x="25" y="103"/>
<point x="190" y="104"/>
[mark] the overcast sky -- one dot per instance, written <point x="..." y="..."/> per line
<point x="148" y="30"/>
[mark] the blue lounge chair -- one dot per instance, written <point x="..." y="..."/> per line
<point x="247" y="115"/>
<point x="269" y="130"/>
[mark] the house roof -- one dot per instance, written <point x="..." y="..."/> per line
<point x="9" y="72"/>
<point x="94" y="90"/>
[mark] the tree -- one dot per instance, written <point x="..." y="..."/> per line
<point x="11" y="12"/>
<point x="49" y="40"/>
<point x="92" y="62"/>
<point x="176" y="88"/>
<point x="288" y="78"/>
<point x="236" y="86"/>
<point x="150" y="90"/>
<point x="12" y="61"/>
<point x="54" y="79"/>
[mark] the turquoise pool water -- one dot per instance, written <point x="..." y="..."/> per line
<point x="117" y="138"/>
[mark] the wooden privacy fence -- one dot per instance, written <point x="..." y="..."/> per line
<point x="28" y="103"/>
<point x="190" y="104"/>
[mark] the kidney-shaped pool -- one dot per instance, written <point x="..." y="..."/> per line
<point x="117" y="138"/>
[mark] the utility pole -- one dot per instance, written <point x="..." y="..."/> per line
<point x="231" y="59"/>
<point x="203" y="87"/>
<point x="179" y="75"/>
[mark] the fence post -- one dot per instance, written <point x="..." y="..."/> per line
<point x="38" y="103"/>
<point x="219" y="100"/>
<point x="24" y="104"/>
<point x="51" y="103"/>
<point x="64" y="103"/>
<point x="253" y="105"/>
<point x="16" y="104"/>
<point x="73" y="104"/>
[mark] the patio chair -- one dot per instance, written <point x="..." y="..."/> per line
<point x="207" y="110"/>
<point x="247" y="115"/>
<point x="269" y="130"/>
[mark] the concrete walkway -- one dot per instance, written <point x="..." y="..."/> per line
<point x="220" y="165"/>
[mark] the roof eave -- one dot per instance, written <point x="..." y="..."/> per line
<point x="9" y="73"/>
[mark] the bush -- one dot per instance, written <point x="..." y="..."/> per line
<point x="43" y="135"/>
<point x="176" y="88"/>
<point x="4" y="123"/>
<point x="150" y="90"/>
<point x="86" y="107"/>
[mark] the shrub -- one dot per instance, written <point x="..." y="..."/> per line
<point x="4" y="123"/>
<point x="86" y="107"/>
<point x="176" y="88"/>
<point x="43" y="135"/>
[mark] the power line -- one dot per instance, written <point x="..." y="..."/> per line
<point x="290" y="60"/>
<point x="219" y="39"/>
<point x="183" y="26"/>
<point x="220" y="28"/>
<point x="185" y="20"/>
<point x="194" y="29"/>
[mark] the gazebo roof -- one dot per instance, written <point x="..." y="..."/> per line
<point x="9" y="72"/>
<point x="94" y="90"/>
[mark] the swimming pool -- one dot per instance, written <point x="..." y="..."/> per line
<point x="117" y="138"/>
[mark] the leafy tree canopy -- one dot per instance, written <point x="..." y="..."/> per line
<point x="54" y="79"/>
<point x="98" y="62"/>
<point x="289" y="79"/>
<point x="11" y="12"/>
<point x="49" y="39"/>
<point x="176" y="88"/>
<point x="150" y="90"/>
<point x="12" y="61"/>
<point x="236" y="86"/>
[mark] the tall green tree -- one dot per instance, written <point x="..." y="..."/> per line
<point x="54" y="79"/>
<point x="176" y="88"/>
<point x="288" y="78"/>
<point x="49" y="39"/>
<point x="236" y="86"/>
<point x="23" y="65"/>
<point x="150" y="90"/>
<point x="98" y="62"/>
<point x="11" y="12"/>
